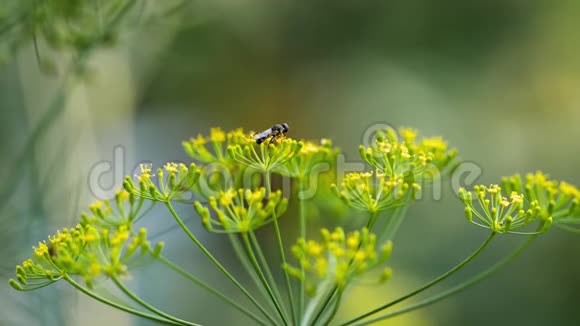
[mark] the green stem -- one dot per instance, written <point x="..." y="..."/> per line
<point x="393" y="225"/>
<point x="266" y="267"/>
<point x="302" y="222"/>
<point x="268" y="183"/>
<point x="216" y="262"/>
<point x="372" y="221"/>
<point x="148" y="306"/>
<point x="34" y="287"/>
<point x="335" y="307"/>
<point x="281" y="249"/>
<point x="249" y="267"/>
<point x="263" y="278"/>
<point x="323" y="289"/>
<point x="213" y="291"/>
<point x="116" y="305"/>
<point x="568" y="228"/>
<point x="323" y="307"/>
<point x="426" y="286"/>
<point x="456" y="289"/>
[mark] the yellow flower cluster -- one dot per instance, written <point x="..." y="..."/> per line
<point x="375" y="192"/>
<point x="84" y="251"/>
<point x="503" y="213"/>
<point x="558" y="199"/>
<point x="173" y="180"/>
<point x="241" y="211"/>
<point x="402" y="156"/>
<point x="213" y="148"/>
<point x="103" y="214"/>
<point x="401" y="164"/>
<point x="339" y="256"/>
<point x="102" y="245"/>
<point x="310" y="155"/>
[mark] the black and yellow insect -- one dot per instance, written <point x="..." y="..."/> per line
<point x="277" y="130"/>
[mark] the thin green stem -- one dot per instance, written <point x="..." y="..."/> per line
<point x="372" y="221"/>
<point x="116" y="305"/>
<point x="148" y="306"/>
<point x="268" y="183"/>
<point x="394" y="223"/>
<point x="335" y="307"/>
<point x="249" y="267"/>
<point x="208" y="288"/>
<point x="284" y="263"/>
<point x="323" y="307"/>
<point x="325" y="288"/>
<point x="217" y="263"/>
<point x="335" y="295"/>
<point x="263" y="278"/>
<point x="302" y="222"/>
<point x="34" y="287"/>
<point x="426" y="286"/>
<point x="456" y="289"/>
<point x="266" y="267"/>
<point x="281" y="250"/>
<point x="568" y="228"/>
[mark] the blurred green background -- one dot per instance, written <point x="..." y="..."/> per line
<point x="498" y="79"/>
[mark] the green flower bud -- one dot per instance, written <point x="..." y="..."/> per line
<point x="386" y="275"/>
<point x="158" y="249"/>
<point x="469" y="214"/>
<point x="547" y="224"/>
<point x="386" y="250"/>
<point x="21" y="279"/>
<point x="15" y="285"/>
<point x="20" y="270"/>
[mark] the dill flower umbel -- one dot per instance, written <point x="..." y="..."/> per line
<point x="173" y="180"/>
<point x="339" y="257"/>
<point x="266" y="156"/>
<point x="503" y="213"/>
<point x="558" y="199"/>
<point x="402" y="156"/>
<point x="241" y="210"/>
<point x="103" y="214"/>
<point x="72" y="25"/>
<point x="213" y="148"/>
<point x="375" y="192"/>
<point x="310" y="155"/>
<point x="84" y="251"/>
<point x="221" y="172"/>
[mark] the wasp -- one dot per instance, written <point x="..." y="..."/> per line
<point x="278" y="130"/>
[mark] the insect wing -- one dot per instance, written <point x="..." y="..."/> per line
<point x="264" y="134"/>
